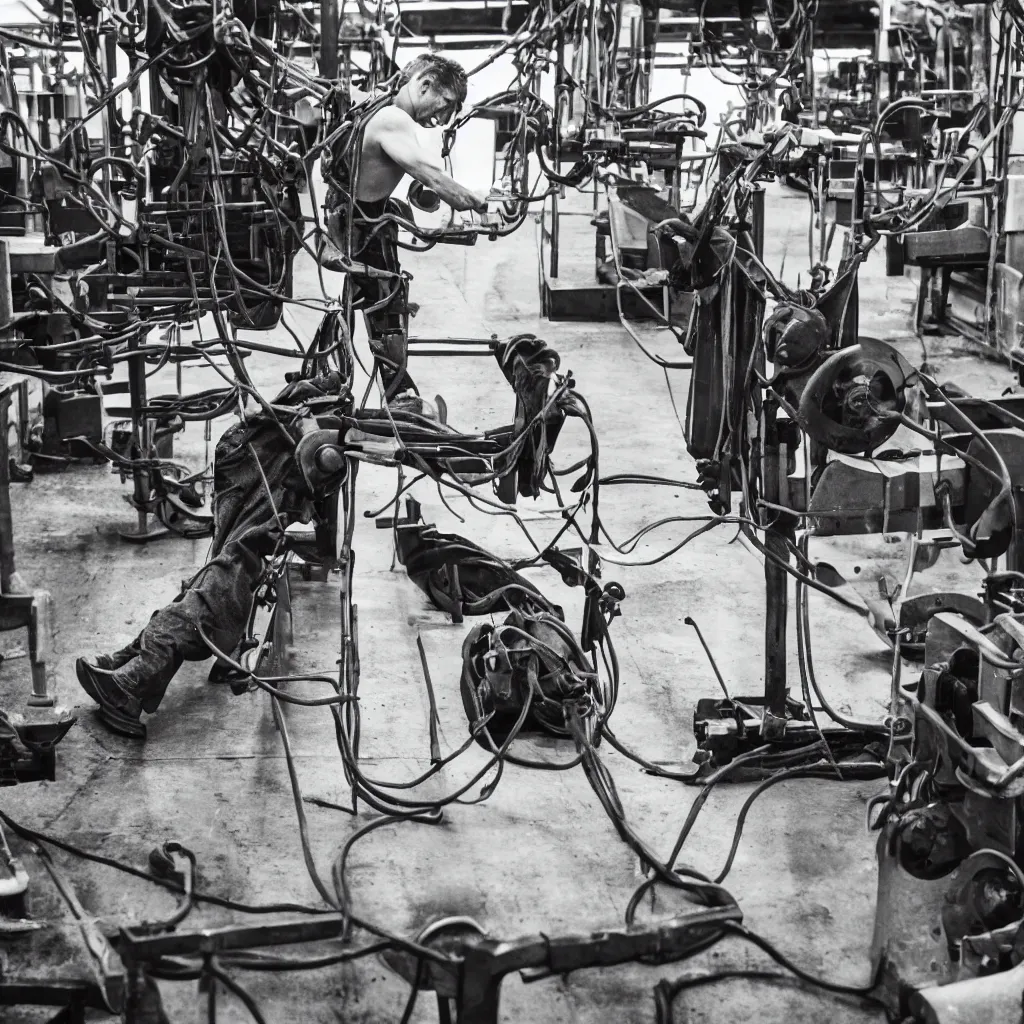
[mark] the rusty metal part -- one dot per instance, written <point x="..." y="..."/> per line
<point x="852" y="401"/>
<point x="530" y="657"/>
<point x="1007" y="446"/>
<point x="321" y="457"/>
<point x="908" y="947"/>
<point x="853" y="495"/>
<point x="465" y="965"/>
<point x="917" y="612"/>
<point x="726" y="729"/>
<point x="447" y="935"/>
<point x="794" y="335"/>
<point x="949" y="934"/>
<point x="486" y="961"/>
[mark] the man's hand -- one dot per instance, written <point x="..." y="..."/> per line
<point x="468" y="199"/>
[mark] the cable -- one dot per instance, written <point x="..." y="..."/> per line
<point x="200" y="897"/>
<point x="820" y="771"/>
<point x="232" y="986"/>
<point x="665" y="992"/>
<point x="865" y="992"/>
<point x="643" y="478"/>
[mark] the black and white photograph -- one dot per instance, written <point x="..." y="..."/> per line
<point x="511" y="512"/>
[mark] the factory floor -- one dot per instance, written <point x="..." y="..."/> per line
<point x="539" y="855"/>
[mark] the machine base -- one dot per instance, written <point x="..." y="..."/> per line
<point x="727" y="729"/>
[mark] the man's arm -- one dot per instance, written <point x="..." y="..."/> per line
<point x="395" y="132"/>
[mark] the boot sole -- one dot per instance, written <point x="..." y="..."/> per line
<point x="115" y="719"/>
<point x="121" y="723"/>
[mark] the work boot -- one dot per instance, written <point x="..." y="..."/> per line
<point x="119" y="710"/>
<point x="136" y="686"/>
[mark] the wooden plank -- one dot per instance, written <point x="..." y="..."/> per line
<point x="956" y="246"/>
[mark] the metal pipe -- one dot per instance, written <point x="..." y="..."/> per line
<point x="137" y="385"/>
<point x="776" y="583"/>
<point x="329" y="28"/>
<point x="435" y="746"/>
<point x="6" y="301"/>
<point x="7" y="569"/>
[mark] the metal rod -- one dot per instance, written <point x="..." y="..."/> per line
<point x="757" y="220"/>
<point x="137" y="385"/>
<point x="435" y="746"/>
<point x="707" y="650"/>
<point x="554" y="238"/>
<point x="776" y="581"/>
<point x="7" y="570"/>
<point x="6" y="301"/>
<point x="461" y="353"/>
<point x="453" y="341"/>
<point x="677" y="176"/>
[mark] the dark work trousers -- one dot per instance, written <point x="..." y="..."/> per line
<point x="218" y="599"/>
<point x="387" y="325"/>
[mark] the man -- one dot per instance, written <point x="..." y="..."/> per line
<point x="366" y="164"/>
<point x="259" y="489"/>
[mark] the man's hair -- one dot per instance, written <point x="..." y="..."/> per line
<point x="439" y="72"/>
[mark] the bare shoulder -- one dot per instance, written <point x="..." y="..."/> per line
<point x="388" y="120"/>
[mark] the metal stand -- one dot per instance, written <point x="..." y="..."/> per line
<point x="727" y="728"/>
<point x="28" y="752"/>
<point x="20" y="609"/>
<point x="724" y="729"/>
<point x="142" y="448"/>
<point x="271" y="630"/>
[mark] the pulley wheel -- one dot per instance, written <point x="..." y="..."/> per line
<point x="853" y="400"/>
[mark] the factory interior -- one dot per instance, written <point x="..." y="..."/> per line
<point x="511" y="511"/>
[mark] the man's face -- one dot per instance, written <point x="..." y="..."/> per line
<point x="434" y="106"/>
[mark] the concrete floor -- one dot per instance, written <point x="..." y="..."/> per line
<point x="539" y="855"/>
